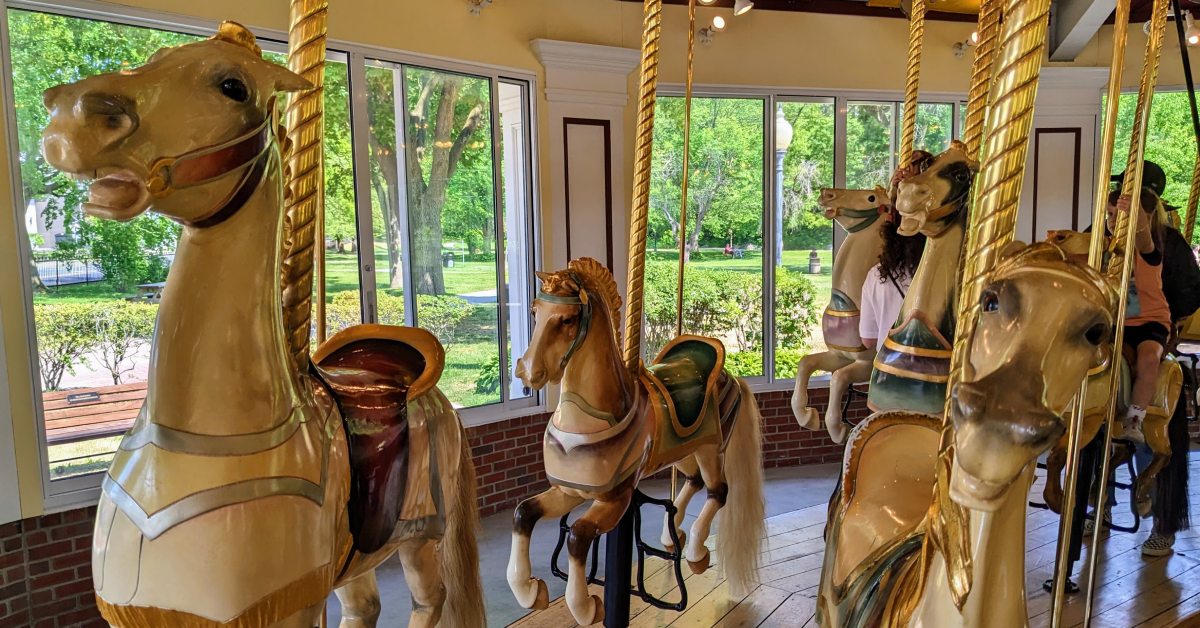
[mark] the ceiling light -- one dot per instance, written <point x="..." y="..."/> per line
<point x="974" y="37"/>
<point x="1193" y="34"/>
<point x="718" y="24"/>
<point x="742" y="6"/>
<point x="707" y="1"/>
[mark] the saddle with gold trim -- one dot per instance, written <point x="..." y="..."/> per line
<point x="690" y="390"/>
<point x="372" y="372"/>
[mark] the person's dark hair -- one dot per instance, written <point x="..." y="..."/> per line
<point x="900" y="254"/>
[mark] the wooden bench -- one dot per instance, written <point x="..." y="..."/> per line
<point x="87" y="413"/>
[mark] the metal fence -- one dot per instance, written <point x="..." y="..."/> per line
<point x="64" y="272"/>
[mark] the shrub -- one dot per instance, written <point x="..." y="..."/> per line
<point x="488" y="380"/>
<point x="65" y="333"/>
<point x="441" y="315"/>
<point x="744" y="363"/>
<point x="121" y="329"/>
<point x="345" y="310"/>
<point x="796" y="311"/>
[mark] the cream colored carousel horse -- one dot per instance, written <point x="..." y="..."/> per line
<point x="860" y="213"/>
<point x="1045" y="322"/>
<point x="239" y="497"/>
<point x="912" y="363"/>
<point x="614" y="427"/>
<point x="1158" y="413"/>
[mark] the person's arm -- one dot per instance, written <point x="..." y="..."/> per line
<point x="1142" y="237"/>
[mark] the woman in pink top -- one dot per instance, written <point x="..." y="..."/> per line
<point x="887" y="282"/>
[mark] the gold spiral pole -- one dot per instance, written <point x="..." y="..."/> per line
<point x="1193" y="197"/>
<point x="981" y="75"/>
<point x="303" y="180"/>
<point x="1095" y="251"/>
<point x="912" y="82"/>
<point x="640" y="212"/>
<point x="997" y="196"/>
<point x="1122" y="249"/>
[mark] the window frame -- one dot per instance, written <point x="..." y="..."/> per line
<point x="83" y="490"/>
<point x="771" y="97"/>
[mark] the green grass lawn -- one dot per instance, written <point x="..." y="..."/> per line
<point x="796" y="261"/>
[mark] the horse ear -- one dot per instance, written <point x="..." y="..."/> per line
<point x="284" y="80"/>
<point x="543" y="275"/>
<point x="1012" y="248"/>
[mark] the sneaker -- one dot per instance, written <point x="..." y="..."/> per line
<point x="1158" y="544"/>
<point x="1089" y="526"/>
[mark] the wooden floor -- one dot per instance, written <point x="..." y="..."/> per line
<point x="1133" y="590"/>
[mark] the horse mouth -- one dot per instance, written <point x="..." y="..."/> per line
<point x="829" y="212"/>
<point x="976" y="493"/>
<point x="116" y="194"/>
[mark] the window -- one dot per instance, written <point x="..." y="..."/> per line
<point x="438" y="235"/>
<point x="760" y="254"/>
<point x="1170" y="141"/>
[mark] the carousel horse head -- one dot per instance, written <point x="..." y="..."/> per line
<point x="854" y="210"/>
<point x="168" y="133"/>
<point x="568" y="306"/>
<point x="1044" y="322"/>
<point x="937" y="193"/>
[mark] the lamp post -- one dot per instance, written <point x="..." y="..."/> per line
<point x="783" y="139"/>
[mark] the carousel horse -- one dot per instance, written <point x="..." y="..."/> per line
<point x="912" y="363"/>
<point x="248" y="488"/>
<point x="1158" y="412"/>
<point x="613" y="427"/>
<point x="894" y="558"/>
<point x="847" y="360"/>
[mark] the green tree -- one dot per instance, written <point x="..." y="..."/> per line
<point x="122" y="328"/>
<point x="66" y="333"/>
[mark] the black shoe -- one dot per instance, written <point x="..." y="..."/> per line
<point x="1048" y="586"/>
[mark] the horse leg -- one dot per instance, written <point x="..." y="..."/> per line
<point x="691" y="485"/>
<point x="531" y="592"/>
<point x="709" y="460"/>
<point x="826" y="361"/>
<point x="1145" y="481"/>
<point x="423" y="573"/>
<point x="1053" y="493"/>
<point x="360" y="601"/>
<point x="839" y="384"/>
<point x="601" y="517"/>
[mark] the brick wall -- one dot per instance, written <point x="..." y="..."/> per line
<point x="45" y="562"/>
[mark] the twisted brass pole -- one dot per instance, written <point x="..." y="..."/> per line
<point x="1120" y="264"/>
<point x="997" y="192"/>
<point x="912" y="81"/>
<point x="981" y="75"/>
<point x="683" y="188"/>
<point x="304" y="197"/>
<point x="1095" y="250"/>
<point x="640" y="210"/>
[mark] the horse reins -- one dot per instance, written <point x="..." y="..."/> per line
<point x="247" y="152"/>
<point x="585" y="318"/>
<point x="870" y="215"/>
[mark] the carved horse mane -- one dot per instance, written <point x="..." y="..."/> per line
<point x="587" y="274"/>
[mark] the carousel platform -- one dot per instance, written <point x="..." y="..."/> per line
<point x="1134" y="590"/>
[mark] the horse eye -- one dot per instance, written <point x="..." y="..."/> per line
<point x="1096" y="334"/>
<point x="989" y="302"/>
<point x="570" y="320"/>
<point x="235" y="89"/>
<point x="871" y="198"/>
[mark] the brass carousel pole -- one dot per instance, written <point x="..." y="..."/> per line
<point x="304" y="180"/>
<point x="683" y="188"/>
<point x="1095" y="251"/>
<point x="996" y="199"/>
<point x="1120" y="264"/>
<point x="1189" y="224"/>
<point x="912" y="81"/>
<point x="640" y="210"/>
<point x="981" y="75"/>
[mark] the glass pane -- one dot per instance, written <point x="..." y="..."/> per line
<point x="1170" y="141"/>
<point x="935" y="123"/>
<point x="95" y="283"/>
<point x="724" y="235"/>
<point x="804" y="273"/>
<point x="869" y="144"/>
<point x="452" y="223"/>
<point x="518" y="248"/>
<point x="386" y="202"/>
<point x="342" y="280"/>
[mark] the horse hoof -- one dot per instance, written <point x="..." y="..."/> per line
<point x="542" y="601"/>
<point x="598" y="614"/>
<point x="670" y="548"/>
<point x="700" y="566"/>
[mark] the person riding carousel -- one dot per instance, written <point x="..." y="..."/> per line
<point x="887" y="282"/>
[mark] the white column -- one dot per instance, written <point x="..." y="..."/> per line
<point x="1060" y="177"/>
<point x="517" y="245"/>
<point x="587" y="93"/>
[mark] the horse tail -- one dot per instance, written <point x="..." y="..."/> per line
<point x="743" y="519"/>
<point x="459" y="551"/>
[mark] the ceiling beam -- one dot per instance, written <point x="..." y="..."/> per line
<point x="1075" y="23"/>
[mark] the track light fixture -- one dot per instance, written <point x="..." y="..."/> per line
<point x="1192" y="34"/>
<point x="706" y="33"/>
<point x="742" y="6"/>
<point x="476" y="6"/>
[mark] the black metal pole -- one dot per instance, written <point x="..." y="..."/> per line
<point x="1187" y="68"/>
<point x="618" y="570"/>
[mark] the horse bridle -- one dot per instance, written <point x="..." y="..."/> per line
<point x="585" y="318"/>
<point x="871" y="216"/>
<point x="246" y="153"/>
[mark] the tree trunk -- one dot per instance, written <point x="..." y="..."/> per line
<point x="386" y="190"/>
<point x="425" y="233"/>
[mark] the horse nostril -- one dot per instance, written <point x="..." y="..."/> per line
<point x="115" y="113"/>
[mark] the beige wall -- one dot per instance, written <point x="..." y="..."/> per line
<point x="762" y="48"/>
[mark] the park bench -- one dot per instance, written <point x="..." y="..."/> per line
<point x="87" y="413"/>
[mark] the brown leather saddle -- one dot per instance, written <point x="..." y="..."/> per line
<point x="372" y="372"/>
<point x="690" y="385"/>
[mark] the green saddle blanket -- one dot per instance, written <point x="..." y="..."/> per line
<point x="684" y="370"/>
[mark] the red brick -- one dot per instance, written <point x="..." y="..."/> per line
<point x="73" y="589"/>
<point x="72" y="530"/>
<point x="70" y="560"/>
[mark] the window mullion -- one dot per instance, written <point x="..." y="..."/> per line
<point x="360" y="129"/>
<point x="400" y="100"/>
<point x="771" y="232"/>
<point x="498" y="214"/>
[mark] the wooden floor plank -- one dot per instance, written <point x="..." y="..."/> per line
<point x="755" y="609"/>
<point x="797" y="610"/>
